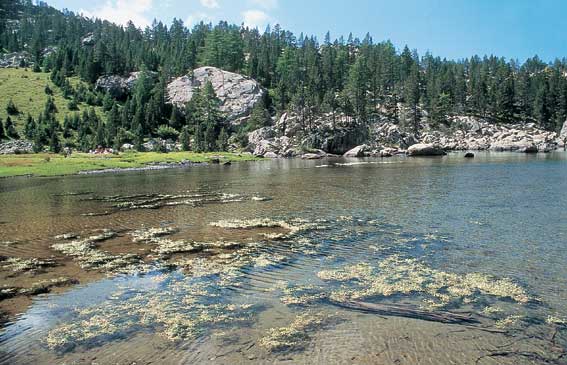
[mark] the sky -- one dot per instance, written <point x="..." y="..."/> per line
<point x="451" y="29"/>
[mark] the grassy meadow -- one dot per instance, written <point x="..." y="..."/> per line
<point x="27" y="90"/>
<point x="48" y="164"/>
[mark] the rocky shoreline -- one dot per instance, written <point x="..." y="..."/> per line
<point x="385" y="139"/>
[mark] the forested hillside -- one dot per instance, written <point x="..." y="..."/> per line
<point x="359" y="78"/>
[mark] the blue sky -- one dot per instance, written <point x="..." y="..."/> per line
<point x="447" y="28"/>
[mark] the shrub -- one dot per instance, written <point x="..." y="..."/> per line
<point x="167" y="132"/>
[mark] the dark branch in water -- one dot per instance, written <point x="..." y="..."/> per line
<point x="407" y="311"/>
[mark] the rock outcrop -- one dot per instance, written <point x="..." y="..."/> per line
<point x="119" y="86"/>
<point x="15" y="147"/>
<point x="15" y="59"/>
<point x="425" y="149"/>
<point x="471" y="133"/>
<point x="238" y="94"/>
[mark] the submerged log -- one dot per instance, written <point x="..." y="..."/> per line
<point x="408" y="311"/>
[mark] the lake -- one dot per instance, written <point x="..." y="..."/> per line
<point x="395" y="261"/>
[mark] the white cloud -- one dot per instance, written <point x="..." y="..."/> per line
<point x="266" y="4"/>
<point x="197" y="17"/>
<point x="211" y="4"/>
<point x="122" y="11"/>
<point x="256" y="19"/>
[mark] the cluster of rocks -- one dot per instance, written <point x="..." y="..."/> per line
<point x="476" y="134"/>
<point x="237" y="94"/>
<point x="156" y="144"/>
<point x="16" y="147"/>
<point x="15" y="59"/>
<point x="338" y="134"/>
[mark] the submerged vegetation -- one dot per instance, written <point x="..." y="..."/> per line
<point x="296" y="335"/>
<point x="191" y="284"/>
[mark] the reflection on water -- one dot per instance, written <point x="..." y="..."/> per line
<point x="440" y="260"/>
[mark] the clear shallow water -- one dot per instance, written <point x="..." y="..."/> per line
<point x="500" y="215"/>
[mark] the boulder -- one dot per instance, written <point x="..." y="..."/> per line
<point x="119" y="86"/>
<point x="529" y="148"/>
<point x="424" y="149"/>
<point x="237" y="94"/>
<point x="270" y="155"/>
<point x="469" y="155"/>
<point x="114" y="85"/>
<point x="358" y="151"/>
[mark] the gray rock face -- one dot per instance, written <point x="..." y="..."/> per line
<point x="476" y="134"/>
<point x="114" y="85"/>
<point x="238" y="94"/>
<point x="15" y="147"/>
<point x="88" y="40"/>
<point x="332" y="133"/>
<point x="15" y="59"/>
<point x="119" y="86"/>
<point x="358" y="151"/>
<point x="424" y="149"/>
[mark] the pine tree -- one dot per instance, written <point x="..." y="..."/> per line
<point x="185" y="139"/>
<point x="139" y="138"/>
<point x="222" y="141"/>
<point x="37" y="141"/>
<point x="11" y="108"/>
<point x="258" y="118"/>
<point x="2" y="132"/>
<point x="11" y="129"/>
<point x="411" y="95"/>
<point x="54" y="145"/>
<point x="29" y="127"/>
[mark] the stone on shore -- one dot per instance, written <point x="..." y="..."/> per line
<point x="425" y="149"/>
<point x="358" y="151"/>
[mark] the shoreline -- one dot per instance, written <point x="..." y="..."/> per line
<point x="197" y="159"/>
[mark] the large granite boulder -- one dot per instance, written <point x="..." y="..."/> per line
<point x="424" y="149"/>
<point x="238" y="94"/>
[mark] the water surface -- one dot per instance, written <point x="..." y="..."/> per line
<point x="308" y="240"/>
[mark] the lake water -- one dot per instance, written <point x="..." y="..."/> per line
<point x="394" y="261"/>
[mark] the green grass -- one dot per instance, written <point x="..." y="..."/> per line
<point x="27" y="90"/>
<point x="46" y="164"/>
